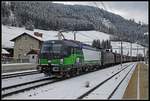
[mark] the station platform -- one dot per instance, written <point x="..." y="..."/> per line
<point x="14" y="67"/>
<point x="138" y="87"/>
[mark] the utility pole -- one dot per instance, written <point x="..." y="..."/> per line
<point x="59" y="35"/>
<point x="131" y="52"/>
<point x="144" y="55"/>
<point x="75" y="35"/>
<point x="121" y="52"/>
<point x="75" y="30"/>
<point x="137" y="52"/>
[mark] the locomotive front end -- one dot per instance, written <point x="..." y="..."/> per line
<point x="50" y="58"/>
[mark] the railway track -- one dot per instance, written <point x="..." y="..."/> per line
<point x="8" y="91"/>
<point x="119" y="84"/>
<point x="5" y="76"/>
<point x="105" y="81"/>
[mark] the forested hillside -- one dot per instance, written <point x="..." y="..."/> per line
<point x="51" y="16"/>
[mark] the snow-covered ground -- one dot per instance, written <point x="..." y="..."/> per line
<point x="104" y="91"/>
<point x="21" y="79"/>
<point x="72" y="88"/>
<point x="121" y="89"/>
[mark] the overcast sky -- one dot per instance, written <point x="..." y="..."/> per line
<point x="129" y="10"/>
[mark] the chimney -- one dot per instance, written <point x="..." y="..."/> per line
<point x="38" y="34"/>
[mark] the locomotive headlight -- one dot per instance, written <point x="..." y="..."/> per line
<point x="61" y="61"/>
<point x="49" y="61"/>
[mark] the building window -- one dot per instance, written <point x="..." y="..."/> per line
<point x="32" y="57"/>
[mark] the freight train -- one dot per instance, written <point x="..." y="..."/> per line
<point x="65" y="58"/>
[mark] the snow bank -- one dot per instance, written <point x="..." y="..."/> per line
<point x="4" y="51"/>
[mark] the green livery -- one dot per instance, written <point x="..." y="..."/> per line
<point x="62" y="57"/>
<point x="64" y="62"/>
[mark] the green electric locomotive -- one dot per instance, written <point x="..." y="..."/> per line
<point x="67" y="58"/>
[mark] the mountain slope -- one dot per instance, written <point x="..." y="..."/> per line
<point x="51" y="16"/>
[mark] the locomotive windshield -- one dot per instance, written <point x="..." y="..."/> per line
<point x="51" y="51"/>
<point x="45" y="48"/>
<point x="56" y="48"/>
<point x="51" y="48"/>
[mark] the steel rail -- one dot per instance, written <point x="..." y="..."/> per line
<point x="100" y="84"/>
<point x="119" y="83"/>
<point x="39" y="85"/>
<point x="18" y="74"/>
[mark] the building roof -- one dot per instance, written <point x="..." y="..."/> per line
<point x="5" y="51"/>
<point x="32" y="35"/>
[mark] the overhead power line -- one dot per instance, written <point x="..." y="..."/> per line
<point x="96" y="4"/>
<point x="104" y="6"/>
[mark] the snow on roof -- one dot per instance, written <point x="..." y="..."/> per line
<point x="146" y="33"/>
<point x="4" y="51"/>
<point x="39" y="38"/>
<point x="30" y="34"/>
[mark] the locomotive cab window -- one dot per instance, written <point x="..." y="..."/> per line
<point x="45" y="48"/>
<point x="73" y="50"/>
<point x="69" y="50"/>
<point x="79" y="51"/>
<point x="57" y="48"/>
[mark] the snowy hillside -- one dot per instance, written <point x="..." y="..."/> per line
<point x="54" y="16"/>
<point x="9" y="33"/>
